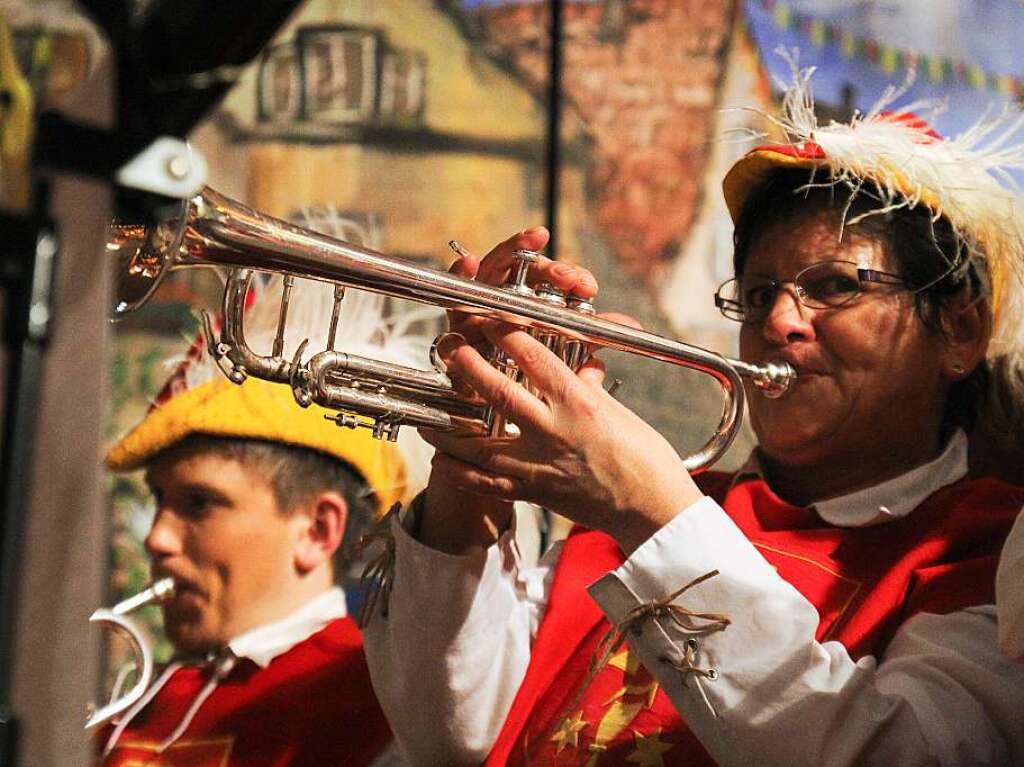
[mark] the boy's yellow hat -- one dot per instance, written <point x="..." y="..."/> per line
<point x="261" y="410"/>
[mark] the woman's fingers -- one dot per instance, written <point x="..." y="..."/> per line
<point x="569" y="278"/>
<point x="592" y="372"/>
<point x="555" y="381"/>
<point x="495" y="265"/>
<point x="466" y="265"/>
<point x="498" y="390"/>
<point x="494" y="455"/>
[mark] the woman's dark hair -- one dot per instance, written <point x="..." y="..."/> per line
<point x="931" y="258"/>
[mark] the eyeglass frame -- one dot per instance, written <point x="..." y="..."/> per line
<point x="863" y="275"/>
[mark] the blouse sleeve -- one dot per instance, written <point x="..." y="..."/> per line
<point x="449" y="656"/>
<point x="763" y="691"/>
<point x="1010" y="593"/>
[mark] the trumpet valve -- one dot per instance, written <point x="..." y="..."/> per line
<point x="553" y="340"/>
<point x="520" y="271"/>
<point x="574" y="352"/>
<point x="552" y="295"/>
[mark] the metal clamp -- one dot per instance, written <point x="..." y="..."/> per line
<point x="169" y="166"/>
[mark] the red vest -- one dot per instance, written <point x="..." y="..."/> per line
<point x="311" y="706"/>
<point x="863" y="581"/>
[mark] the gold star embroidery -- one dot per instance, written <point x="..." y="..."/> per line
<point x="627" y="661"/>
<point x="649" y="750"/>
<point x="652" y="693"/>
<point x="569" y="730"/>
<point x="622" y="711"/>
<point x="595" y="749"/>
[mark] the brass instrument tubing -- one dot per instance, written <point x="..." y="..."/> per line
<point x="339" y="296"/>
<point x="224" y="232"/>
<point x="282" y="317"/>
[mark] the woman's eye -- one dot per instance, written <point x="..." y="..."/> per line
<point x="759" y="296"/>
<point x="832" y="285"/>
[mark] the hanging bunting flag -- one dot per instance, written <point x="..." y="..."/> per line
<point x="890" y="59"/>
<point x="977" y="77"/>
<point x="782" y="15"/>
<point x="871" y="50"/>
<point x="936" y="67"/>
<point x="818" y="34"/>
<point x="1005" y="85"/>
<point x="848" y="45"/>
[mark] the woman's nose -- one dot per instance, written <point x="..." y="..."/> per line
<point x="164" y="537"/>
<point x="788" y="320"/>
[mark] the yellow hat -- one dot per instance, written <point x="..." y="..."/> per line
<point x="260" y="410"/>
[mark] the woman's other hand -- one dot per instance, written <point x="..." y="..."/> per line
<point x="456" y="520"/>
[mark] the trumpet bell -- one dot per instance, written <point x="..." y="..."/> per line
<point x="144" y="255"/>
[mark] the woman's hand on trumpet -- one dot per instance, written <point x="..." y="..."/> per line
<point x="455" y="519"/>
<point x="494" y="269"/>
<point x="579" y="453"/>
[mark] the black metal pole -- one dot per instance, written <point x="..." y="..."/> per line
<point x="554" y="162"/>
<point x="28" y="260"/>
<point x="554" y="143"/>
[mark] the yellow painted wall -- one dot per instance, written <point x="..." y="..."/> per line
<point x="467" y="94"/>
<point x="425" y="200"/>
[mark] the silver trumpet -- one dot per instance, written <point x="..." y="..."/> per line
<point x="117" y="619"/>
<point x="213" y="230"/>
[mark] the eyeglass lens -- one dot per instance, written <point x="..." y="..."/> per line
<point x="827" y="284"/>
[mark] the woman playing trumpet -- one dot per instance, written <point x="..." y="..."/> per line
<point x="828" y="603"/>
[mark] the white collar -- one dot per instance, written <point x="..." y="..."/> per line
<point x="893" y="499"/>
<point x="264" y="643"/>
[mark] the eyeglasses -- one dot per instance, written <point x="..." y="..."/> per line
<point x="825" y="285"/>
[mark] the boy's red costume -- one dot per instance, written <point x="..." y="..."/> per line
<point x="311" y="706"/>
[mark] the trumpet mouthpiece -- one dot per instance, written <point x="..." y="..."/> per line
<point x="775" y="379"/>
<point x="159" y="591"/>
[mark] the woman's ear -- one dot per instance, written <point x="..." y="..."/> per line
<point x="967" y="328"/>
<point x="321" y="529"/>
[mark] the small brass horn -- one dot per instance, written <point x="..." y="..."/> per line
<point x="117" y="619"/>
